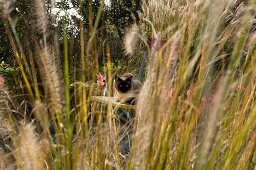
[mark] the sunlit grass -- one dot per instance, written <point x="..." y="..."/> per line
<point x="196" y="109"/>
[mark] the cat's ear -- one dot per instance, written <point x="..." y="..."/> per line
<point x="129" y="78"/>
<point x="117" y="78"/>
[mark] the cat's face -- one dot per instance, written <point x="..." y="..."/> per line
<point x="123" y="84"/>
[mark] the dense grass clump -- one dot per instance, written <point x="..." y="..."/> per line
<point x="196" y="109"/>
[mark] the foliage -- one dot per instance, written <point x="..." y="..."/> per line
<point x="11" y="74"/>
<point x="196" y="107"/>
<point x="123" y="14"/>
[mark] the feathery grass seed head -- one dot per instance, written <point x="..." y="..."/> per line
<point x="131" y="38"/>
<point x="42" y="19"/>
<point x="6" y="7"/>
<point x="28" y="153"/>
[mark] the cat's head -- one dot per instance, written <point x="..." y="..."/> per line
<point x="123" y="84"/>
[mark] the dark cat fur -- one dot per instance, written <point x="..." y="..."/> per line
<point x="126" y="88"/>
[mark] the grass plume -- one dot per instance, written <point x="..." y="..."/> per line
<point x="28" y="153"/>
<point x="196" y="109"/>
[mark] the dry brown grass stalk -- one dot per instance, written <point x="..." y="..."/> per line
<point x="52" y="83"/>
<point x="154" y="111"/>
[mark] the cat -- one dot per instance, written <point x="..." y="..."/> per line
<point x="126" y="88"/>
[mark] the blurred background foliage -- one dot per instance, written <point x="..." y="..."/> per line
<point x="198" y="101"/>
<point x="116" y="17"/>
